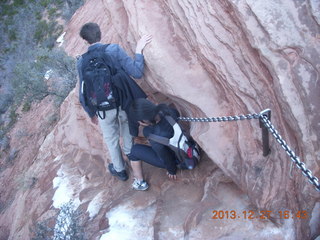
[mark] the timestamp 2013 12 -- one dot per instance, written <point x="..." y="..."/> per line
<point x="258" y="214"/>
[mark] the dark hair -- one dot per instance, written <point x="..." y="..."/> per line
<point x="142" y="109"/>
<point x="91" y="32"/>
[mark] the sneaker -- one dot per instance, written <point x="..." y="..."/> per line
<point x="121" y="175"/>
<point x="140" y="185"/>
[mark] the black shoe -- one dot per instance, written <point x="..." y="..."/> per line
<point x="121" y="175"/>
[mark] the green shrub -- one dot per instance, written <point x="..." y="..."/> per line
<point x="12" y="156"/>
<point x="38" y="15"/>
<point x="45" y="3"/>
<point x="29" y="79"/>
<point x="18" y="3"/>
<point x="26" y="36"/>
<point x="8" y="10"/>
<point x="13" y="116"/>
<point x="12" y="35"/>
<point x="26" y="107"/>
<point x="67" y="225"/>
<point x="42" y="29"/>
<point x="53" y="12"/>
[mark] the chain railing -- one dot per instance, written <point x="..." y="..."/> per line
<point x="266" y="125"/>
<point x="221" y="119"/>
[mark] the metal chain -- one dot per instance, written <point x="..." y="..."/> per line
<point x="301" y="165"/>
<point x="221" y="119"/>
<point x="294" y="158"/>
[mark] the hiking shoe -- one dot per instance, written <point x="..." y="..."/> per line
<point x="140" y="185"/>
<point x="121" y="175"/>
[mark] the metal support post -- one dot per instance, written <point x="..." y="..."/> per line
<point x="265" y="132"/>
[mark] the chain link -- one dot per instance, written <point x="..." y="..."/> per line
<point x="294" y="158"/>
<point x="221" y="119"/>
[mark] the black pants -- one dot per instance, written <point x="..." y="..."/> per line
<point x="147" y="154"/>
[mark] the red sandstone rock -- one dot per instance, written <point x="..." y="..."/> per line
<point x="209" y="58"/>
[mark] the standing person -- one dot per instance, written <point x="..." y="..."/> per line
<point x="153" y="121"/>
<point x="106" y="91"/>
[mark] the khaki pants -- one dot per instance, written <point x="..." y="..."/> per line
<point x="112" y="127"/>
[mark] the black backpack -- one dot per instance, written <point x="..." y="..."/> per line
<point x="97" y="73"/>
<point x="186" y="149"/>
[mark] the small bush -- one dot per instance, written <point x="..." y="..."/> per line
<point x="12" y="35"/>
<point x="8" y="10"/>
<point x="2" y="206"/>
<point x="34" y="180"/>
<point x="18" y="3"/>
<point x="52" y="12"/>
<point x="4" y="142"/>
<point x="29" y="81"/>
<point x="45" y="3"/>
<point x="38" y="15"/>
<point x="26" y="107"/>
<point x="21" y="133"/>
<point x="52" y="119"/>
<point x="41" y="31"/>
<point x="70" y="7"/>
<point x="12" y="156"/>
<point x="5" y="101"/>
<point x="13" y="117"/>
<point x="67" y="226"/>
<point x="43" y="231"/>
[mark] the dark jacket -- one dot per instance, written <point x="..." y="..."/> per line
<point x="164" y="129"/>
<point x="127" y="90"/>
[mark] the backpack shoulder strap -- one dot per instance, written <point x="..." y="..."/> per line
<point x="170" y="120"/>
<point x="109" y="60"/>
<point x="101" y="48"/>
<point x="177" y="138"/>
<point x="159" y="139"/>
<point x="177" y="141"/>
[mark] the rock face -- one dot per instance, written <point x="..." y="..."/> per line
<point x="209" y="58"/>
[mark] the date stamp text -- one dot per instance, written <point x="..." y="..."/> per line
<point x="261" y="214"/>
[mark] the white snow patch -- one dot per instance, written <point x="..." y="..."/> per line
<point x="64" y="192"/>
<point x="65" y="198"/>
<point x="130" y="223"/>
<point x="58" y="158"/>
<point x="48" y="74"/>
<point x="60" y="39"/>
<point x="95" y="205"/>
<point x="287" y="230"/>
<point x="306" y="77"/>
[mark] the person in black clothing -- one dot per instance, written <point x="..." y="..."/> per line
<point x="152" y="118"/>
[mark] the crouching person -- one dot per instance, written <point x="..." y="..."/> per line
<point x="152" y="120"/>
